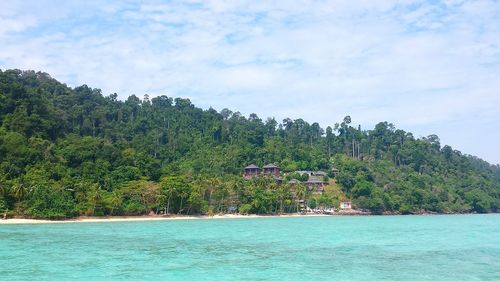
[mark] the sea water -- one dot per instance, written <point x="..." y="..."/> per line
<point x="447" y="247"/>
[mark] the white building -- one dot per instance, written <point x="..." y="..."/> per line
<point x="346" y="205"/>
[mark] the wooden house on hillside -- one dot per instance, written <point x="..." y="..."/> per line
<point x="251" y="171"/>
<point x="315" y="185"/>
<point x="271" y="169"/>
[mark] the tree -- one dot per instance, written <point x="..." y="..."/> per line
<point x="52" y="203"/>
<point x="176" y="190"/>
<point x="139" y="196"/>
<point x="19" y="190"/>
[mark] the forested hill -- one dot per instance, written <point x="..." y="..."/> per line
<point x="72" y="151"/>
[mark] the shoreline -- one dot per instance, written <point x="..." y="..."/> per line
<point x="11" y="221"/>
<point x="14" y="220"/>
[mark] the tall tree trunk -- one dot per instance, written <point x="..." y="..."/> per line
<point x="221" y="203"/>
<point x="359" y="144"/>
<point x="180" y="208"/>
<point x="210" y="198"/>
<point x="353" y="147"/>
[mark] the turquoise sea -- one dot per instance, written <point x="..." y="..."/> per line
<point x="448" y="247"/>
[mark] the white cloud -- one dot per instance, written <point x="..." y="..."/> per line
<point x="424" y="66"/>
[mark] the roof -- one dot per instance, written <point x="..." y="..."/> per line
<point x="293" y="181"/>
<point x="270" y="166"/>
<point x="252" y="166"/>
<point x="314" y="181"/>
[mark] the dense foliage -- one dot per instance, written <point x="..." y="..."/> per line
<point x="66" y="152"/>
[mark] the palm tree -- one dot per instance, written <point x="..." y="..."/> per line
<point x="116" y="200"/>
<point x="212" y="185"/>
<point x="19" y="190"/>
<point x="238" y="187"/>
<point x="95" y="197"/>
<point x="4" y="194"/>
<point x="4" y="190"/>
<point x="283" y="191"/>
<point x="274" y="194"/>
<point x="301" y="193"/>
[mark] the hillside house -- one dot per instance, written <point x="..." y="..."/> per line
<point x="251" y="171"/>
<point x="315" y="185"/>
<point x="312" y="173"/>
<point x="268" y="170"/>
<point x="271" y="169"/>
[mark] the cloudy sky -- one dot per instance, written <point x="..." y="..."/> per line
<point x="429" y="67"/>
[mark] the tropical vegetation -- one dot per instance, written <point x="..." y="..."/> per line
<point x="66" y="152"/>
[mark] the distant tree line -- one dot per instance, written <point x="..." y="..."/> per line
<point x="67" y="151"/>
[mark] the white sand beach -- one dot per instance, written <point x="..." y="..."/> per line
<point x="148" y="218"/>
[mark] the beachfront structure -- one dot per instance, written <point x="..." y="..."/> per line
<point x="346" y="205"/>
<point x="251" y="171"/>
<point x="271" y="169"/>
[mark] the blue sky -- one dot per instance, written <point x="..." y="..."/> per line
<point x="429" y="67"/>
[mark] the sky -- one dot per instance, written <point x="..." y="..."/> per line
<point x="428" y="67"/>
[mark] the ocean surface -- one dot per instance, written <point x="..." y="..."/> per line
<point x="448" y="247"/>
